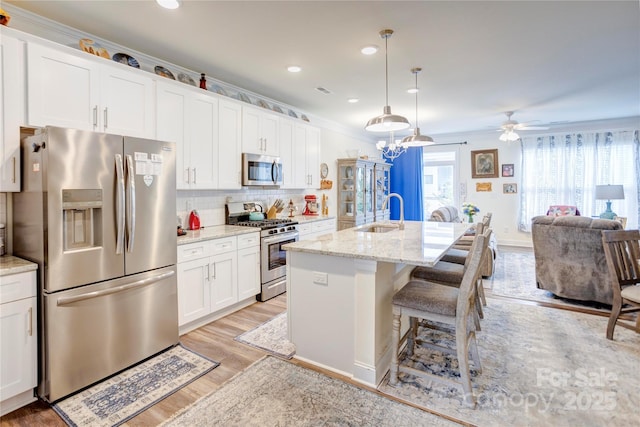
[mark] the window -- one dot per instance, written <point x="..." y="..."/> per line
<point x="439" y="179"/>
<point x="564" y="170"/>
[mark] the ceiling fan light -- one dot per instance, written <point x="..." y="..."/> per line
<point x="387" y="122"/>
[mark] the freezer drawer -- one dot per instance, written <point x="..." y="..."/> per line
<point x="141" y="312"/>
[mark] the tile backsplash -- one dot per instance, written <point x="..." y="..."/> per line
<point x="3" y="208"/>
<point x="210" y="204"/>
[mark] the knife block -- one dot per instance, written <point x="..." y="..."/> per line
<point x="271" y="213"/>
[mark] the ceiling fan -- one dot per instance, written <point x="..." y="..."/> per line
<point x="509" y="127"/>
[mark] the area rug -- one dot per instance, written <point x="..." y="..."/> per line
<point x="515" y="277"/>
<point x="275" y="392"/>
<point x="540" y="367"/>
<point x="270" y="336"/>
<point x="123" y="396"/>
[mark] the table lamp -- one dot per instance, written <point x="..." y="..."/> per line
<point x="608" y="193"/>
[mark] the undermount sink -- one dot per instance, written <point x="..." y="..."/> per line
<point x="378" y="228"/>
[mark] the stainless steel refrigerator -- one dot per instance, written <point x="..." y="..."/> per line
<point x="97" y="213"/>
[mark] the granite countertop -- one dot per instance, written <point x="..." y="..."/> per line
<point x="420" y="243"/>
<point x="214" y="232"/>
<point x="13" y="265"/>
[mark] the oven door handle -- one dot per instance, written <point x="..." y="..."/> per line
<point x="280" y="237"/>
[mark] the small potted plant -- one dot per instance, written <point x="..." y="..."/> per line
<point x="469" y="209"/>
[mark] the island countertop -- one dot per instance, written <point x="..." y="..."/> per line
<point x="420" y="243"/>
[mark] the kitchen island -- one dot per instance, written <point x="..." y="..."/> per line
<point x="339" y="290"/>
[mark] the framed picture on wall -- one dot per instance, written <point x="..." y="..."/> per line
<point x="511" y="188"/>
<point x="483" y="186"/>
<point x="507" y="169"/>
<point x="484" y="164"/>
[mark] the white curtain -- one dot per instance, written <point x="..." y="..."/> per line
<point x="564" y="169"/>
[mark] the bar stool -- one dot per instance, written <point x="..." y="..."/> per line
<point x="421" y="300"/>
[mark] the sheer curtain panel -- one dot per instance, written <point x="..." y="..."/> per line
<point x="564" y="169"/>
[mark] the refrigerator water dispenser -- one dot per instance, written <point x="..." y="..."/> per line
<point x="82" y="218"/>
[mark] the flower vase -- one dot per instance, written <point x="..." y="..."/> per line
<point x="470" y="218"/>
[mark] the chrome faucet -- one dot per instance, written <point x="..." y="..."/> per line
<point x="386" y="201"/>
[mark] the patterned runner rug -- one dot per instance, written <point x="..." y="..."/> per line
<point x="123" y="396"/>
<point x="270" y="336"/>
<point x="275" y="392"/>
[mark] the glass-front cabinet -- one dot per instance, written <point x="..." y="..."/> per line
<point x="357" y="191"/>
<point x="381" y="172"/>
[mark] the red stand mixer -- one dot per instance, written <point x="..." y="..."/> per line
<point x="311" y="207"/>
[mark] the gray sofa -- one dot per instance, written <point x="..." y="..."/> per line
<point x="569" y="257"/>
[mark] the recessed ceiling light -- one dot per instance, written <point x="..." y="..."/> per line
<point x="169" y="4"/>
<point x="294" y="69"/>
<point x="369" y="50"/>
<point x="413" y="90"/>
<point x="352" y="100"/>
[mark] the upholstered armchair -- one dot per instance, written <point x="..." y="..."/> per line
<point x="445" y="214"/>
<point x="569" y="256"/>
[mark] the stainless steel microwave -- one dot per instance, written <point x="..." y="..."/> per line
<point x="261" y="170"/>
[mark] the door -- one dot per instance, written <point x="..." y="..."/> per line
<point x="62" y="89"/>
<point x="229" y="157"/>
<point x="223" y="279"/>
<point x="126" y="102"/>
<point x="203" y="141"/>
<point x="172" y="125"/>
<point x="194" y="299"/>
<point x="150" y="204"/>
<point x="248" y="272"/>
<point x="81" y="221"/>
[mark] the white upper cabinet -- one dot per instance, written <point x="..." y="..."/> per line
<point x="229" y="154"/>
<point x="68" y="90"/>
<point x="306" y="156"/>
<point x="12" y="111"/>
<point x="206" y="130"/>
<point x="287" y="136"/>
<point x="259" y="131"/>
<point x="203" y="140"/>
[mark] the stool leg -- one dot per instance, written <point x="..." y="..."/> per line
<point x="411" y="337"/>
<point x="481" y="291"/>
<point x="395" y="346"/>
<point x="463" y="364"/>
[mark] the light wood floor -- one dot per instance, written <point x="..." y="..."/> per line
<point x="214" y="340"/>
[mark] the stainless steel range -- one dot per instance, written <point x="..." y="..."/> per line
<point x="274" y="233"/>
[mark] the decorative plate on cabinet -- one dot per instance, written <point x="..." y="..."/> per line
<point x="243" y="97"/>
<point x="219" y="90"/>
<point x="182" y="77"/>
<point x="305" y="118"/>
<point x="123" y="58"/>
<point x="293" y="114"/>
<point x="161" y="71"/>
<point x="94" y="48"/>
<point x="278" y="109"/>
<point x="263" y="104"/>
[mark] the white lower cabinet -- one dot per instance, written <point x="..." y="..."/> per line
<point x="215" y="274"/>
<point x="314" y="229"/>
<point x="18" y="340"/>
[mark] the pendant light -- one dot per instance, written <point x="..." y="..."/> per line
<point x="416" y="140"/>
<point x="387" y="122"/>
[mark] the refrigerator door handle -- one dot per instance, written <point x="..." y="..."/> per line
<point x="119" y="204"/>
<point x="104" y="292"/>
<point x="131" y="204"/>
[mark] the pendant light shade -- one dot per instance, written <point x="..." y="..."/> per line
<point x="387" y="122"/>
<point x="417" y="140"/>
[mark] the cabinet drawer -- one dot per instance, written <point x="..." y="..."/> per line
<point x="248" y="240"/>
<point x="15" y="287"/>
<point x="194" y="251"/>
<point x="328" y="225"/>
<point x="227" y="244"/>
<point x="304" y="229"/>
